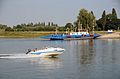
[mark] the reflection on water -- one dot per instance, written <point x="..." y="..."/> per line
<point x="48" y="62"/>
<point x="87" y="52"/>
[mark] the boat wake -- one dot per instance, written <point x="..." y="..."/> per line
<point x="10" y="56"/>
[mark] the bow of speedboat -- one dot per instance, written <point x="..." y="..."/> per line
<point x="60" y="49"/>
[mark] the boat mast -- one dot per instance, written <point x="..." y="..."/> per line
<point x="56" y="30"/>
<point x="94" y="23"/>
<point x="79" y="26"/>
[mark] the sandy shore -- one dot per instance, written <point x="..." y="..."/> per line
<point x="112" y="36"/>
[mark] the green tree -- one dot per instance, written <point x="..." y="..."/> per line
<point x="114" y="14"/>
<point x="48" y="23"/>
<point x="9" y="29"/>
<point x="103" y="19"/>
<point x="69" y="26"/>
<point x="52" y="24"/>
<point x="82" y="19"/>
<point x="85" y="20"/>
<point x="3" y="26"/>
<point x="91" y="23"/>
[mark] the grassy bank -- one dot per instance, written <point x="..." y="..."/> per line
<point x="101" y="32"/>
<point x="32" y="34"/>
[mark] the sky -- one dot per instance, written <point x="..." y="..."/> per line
<point x="13" y="12"/>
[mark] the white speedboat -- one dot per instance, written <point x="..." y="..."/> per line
<point x="47" y="51"/>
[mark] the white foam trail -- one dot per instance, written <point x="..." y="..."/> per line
<point x="18" y="56"/>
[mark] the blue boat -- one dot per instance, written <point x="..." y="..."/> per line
<point x="54" y="37"/>
<point x="71" y="36"/>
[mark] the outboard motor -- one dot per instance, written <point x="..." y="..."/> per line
<point x="29" y="50"/>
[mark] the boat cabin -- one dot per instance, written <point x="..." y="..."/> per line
<point x="81" y="32"/>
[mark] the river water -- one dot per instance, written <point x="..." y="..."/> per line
<point x="82" y="59"/>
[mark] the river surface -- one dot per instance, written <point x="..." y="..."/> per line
<point x="82" y="59"/>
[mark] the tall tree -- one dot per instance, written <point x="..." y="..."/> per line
<point x="48" y="23"/>
<point x="85" y="20"/>
<point x="114" y="14"/>
<point x="91" y="21"/>
<point x="82" y="19"/>
<point x="103" y="20"/>
<point x="52" y="24"/>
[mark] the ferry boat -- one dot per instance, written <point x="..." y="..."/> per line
<point x="71" y="36"/>
<point x="47" y="51"/>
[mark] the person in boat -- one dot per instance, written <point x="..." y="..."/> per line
<point x="29" y="50"/>
<point x="36" y="49"/>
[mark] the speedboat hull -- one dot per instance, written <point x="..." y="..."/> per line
<point x="52" y="54"/>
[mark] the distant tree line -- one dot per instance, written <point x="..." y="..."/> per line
<point x="85" y="20"/>
<point x="33" y="27"/>
<point x="3" y="26"/>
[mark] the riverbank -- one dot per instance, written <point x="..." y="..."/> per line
<point x="114" y="35"/>
<point x="35" y="34"/>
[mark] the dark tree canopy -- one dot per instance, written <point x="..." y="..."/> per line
<point x="114" y="14"/>
<point x="108" y="21"/>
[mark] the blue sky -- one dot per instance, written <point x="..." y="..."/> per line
<point x="13" y="12"/>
